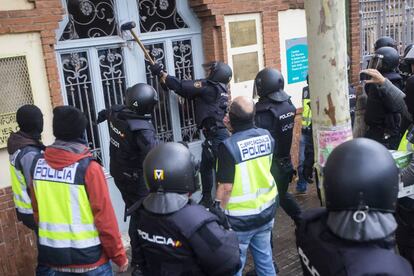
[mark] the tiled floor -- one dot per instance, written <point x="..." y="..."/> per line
<point x="284" y="245"/>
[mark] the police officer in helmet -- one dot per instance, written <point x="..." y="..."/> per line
<point x="276" y="113"/>
<point x="385" y="41"/>
<point x="382" y="118"/>
<point x="132" y="136"/>
<point x="353" y="235"/>
<point x="211" y="99"/>
<point x="177" y="236"/>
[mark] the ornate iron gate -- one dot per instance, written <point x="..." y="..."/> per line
<point x="394" y="18"/>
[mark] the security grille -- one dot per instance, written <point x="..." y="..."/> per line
<point x="89" y="19"/>
<point x="184" y="69"/>
<point x="79" y="93"/>
<point x="159" y="15"/>
<point x="394" y="18"/>
<point x="15" y="91"/>
<point x="113" y="75"/>
<point x="162" y="112"/>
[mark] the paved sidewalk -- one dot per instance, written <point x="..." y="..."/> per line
<point x="284" y="245"/>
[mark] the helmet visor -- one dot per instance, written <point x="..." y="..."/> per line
<point x="375" y="62"/>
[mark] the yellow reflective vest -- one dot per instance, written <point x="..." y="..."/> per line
<point x="254" y="188"/>
<point x="67" y="233"/>
<point x="307" y="112"/>
<point x="405" y="145"/>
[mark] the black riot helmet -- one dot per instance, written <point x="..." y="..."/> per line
<point x="387" y="59"/>
<point x="385" y="41"/>
<point x="361" y="175"/>
<point x="269" y="83"/>
<point x="171" y="168"/>
<point x="218" y="72"/>
<point x="141" y="98"/>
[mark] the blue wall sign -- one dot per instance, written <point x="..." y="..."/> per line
<point x="297" y="59"/>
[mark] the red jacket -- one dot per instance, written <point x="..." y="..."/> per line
<point x="100" y="201"/>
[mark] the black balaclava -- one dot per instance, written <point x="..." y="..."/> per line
<point x="30" y="120"/>
<point x="69" y="123"/>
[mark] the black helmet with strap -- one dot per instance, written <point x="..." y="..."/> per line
<point x="361" y="175"/>
<point x="389" y="59"/>
<point x="385" y="41"/>
<point x="141" y="98"/>
<point x="171" y="167"/>
<point x="218" y="72"/>
<point x="269" y="83"/>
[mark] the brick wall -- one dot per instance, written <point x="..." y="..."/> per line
<point x="17" y="243"/>
<point x="212" y="12"/>
<point x="355" y="39"/>
<point x="44" y="19"/>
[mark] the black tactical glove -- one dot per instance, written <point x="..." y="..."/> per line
<point x="219" y="212"/>
<point x="102" y="116"/>
<point x="157" y="69"/>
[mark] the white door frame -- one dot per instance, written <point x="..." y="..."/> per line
<point x="244" y="88"/>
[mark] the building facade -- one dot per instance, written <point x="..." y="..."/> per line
<point x="55" y="52"/>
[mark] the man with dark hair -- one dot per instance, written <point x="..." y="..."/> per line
<point x="78" y="230"/>
<point x="247" y="191"/>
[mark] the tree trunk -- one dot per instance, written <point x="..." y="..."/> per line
<point x="328" y="78"/>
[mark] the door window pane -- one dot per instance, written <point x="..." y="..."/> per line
<point x="90" y="18"/>
<point x="242" y="33"/>
<point x="184" y="69"/>
<point x="162" y="113"/>
<point x="159" y="15"/>
<point x="111" y="64"/>
<point x="79" y="93"/>
<point x="245" y="66"/>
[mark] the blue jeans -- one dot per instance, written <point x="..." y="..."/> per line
<point x="305" y="140"/>
<point x="258" y="240"/>
<point x="42" y="270"/>
<point x="103" y="270"/>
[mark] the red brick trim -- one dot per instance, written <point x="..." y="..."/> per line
<point x="44" y="19"/>
<point x="17" y="243"/>
<point x="355" y="50"/>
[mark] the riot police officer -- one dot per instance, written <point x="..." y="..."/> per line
<point x="383" y="119"/>
<point x="276" y="113"/>
<point x="353" y="235"/>
<point x="385" y="41"/>
<point x="132" y="136"/>
<point x="177" y="236"/>
<point x="211" y="99"/>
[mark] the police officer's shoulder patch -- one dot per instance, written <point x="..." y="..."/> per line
<point x="198" y="84"/>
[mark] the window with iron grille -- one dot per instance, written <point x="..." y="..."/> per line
<point x="89" y="19"/>
<point x="15" y="91"/>
<point x="184" y="69"/>
<point x="159" y="15"/>
<point x="162" y="114"/>
<point x="113" y="76"/>
<point x="79" y="92"/>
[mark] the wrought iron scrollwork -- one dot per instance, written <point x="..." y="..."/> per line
<point x="184" y="69"/>
<point x="159" y="15"/>
<point x="162" y="113"/>
<point x="79" y="93"/>
<point x="89" y="19"/>
<point x="111" y="64"/>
